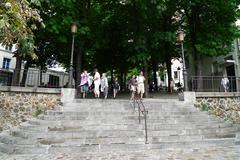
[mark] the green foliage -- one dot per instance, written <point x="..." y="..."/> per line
<point x="17" y="20"/>
<point x="26" y="47"/>
<point x="121" y="35"/>
<point x="133" y="72"/>
<point x="204" y="107"/>
<point x="210" y="25"/>
<point x="40" y="109"/>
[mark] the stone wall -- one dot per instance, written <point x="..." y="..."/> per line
<point x="18" y="104"/>
<point x="224" y="105"/>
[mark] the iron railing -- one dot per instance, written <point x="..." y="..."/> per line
<point x="213" y="84"/>
<point x="141" y="109"/>
<point x="33" y="78"/>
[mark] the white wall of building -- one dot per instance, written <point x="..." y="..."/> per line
<point x="58" y="75"/>
<point x="177" y="74"/>
<point x="5" y="53"/>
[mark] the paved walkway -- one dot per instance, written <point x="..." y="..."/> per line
<point x="216" y="153"/>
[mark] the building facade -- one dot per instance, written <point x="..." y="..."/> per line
<point x="33" y="77"/>
<point x="215" y="68"/>
<point x="177" y="73"/>
<point x="7" y="59"/>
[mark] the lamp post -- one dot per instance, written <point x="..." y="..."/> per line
<point x="181" y="39"/>
<point x="179" y="81"/>
<point x="70" y="78"/>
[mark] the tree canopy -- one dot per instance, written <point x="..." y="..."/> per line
<point x="119" y="35"/>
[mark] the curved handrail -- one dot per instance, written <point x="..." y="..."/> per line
<point x="141" y="109"/>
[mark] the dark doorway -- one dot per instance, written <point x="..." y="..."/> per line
<point x="232" y="78"/>
<point x="53" y="81"/>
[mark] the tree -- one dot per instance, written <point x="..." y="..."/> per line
<point x="210" y="28"/>
<point x="17" y="21"/>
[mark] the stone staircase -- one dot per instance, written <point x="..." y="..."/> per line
<point x="109" y="129"/>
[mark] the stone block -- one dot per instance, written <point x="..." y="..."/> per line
<point x="189" y="97"/>
<point x="67" y="95"/>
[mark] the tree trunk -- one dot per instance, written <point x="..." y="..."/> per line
<point x="125" y="80"/>
<point x="146" y="78"/>
<point x="121" y="80"/>
<point x="155" y="76"/>
<point x="24" y="76"/>
<point x="169" y="71"/>
<point x="78" y="64"/>
<point x="199" y="72"/>
<point x="41" y="76"/>
<point x="78" y="69"/>
<point x="17" y="71"/>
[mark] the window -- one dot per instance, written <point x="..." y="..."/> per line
<point x="8" y="47"/>
<point x="6" y="63"/>
<point x="175" y="74"/>
<point x="53" y="81"/>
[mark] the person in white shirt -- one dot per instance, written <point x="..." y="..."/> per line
<point x="104" y="85"/>
<point x="225" y="83"/>
<point x="172" y="84"/>
<point x="140" y="84"/>
<point x="97" y="81"/>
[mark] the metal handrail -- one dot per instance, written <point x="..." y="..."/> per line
<point x="213" y="84"/>
<point x="141" y="109"/>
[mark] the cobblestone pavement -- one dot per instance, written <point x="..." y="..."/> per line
<point x="215" y="153"/>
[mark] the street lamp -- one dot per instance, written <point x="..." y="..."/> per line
<point x="70" y="78"/>
<point x="181" y="35"/>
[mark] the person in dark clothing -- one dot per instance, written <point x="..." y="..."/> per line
<point x="116" y="87"/>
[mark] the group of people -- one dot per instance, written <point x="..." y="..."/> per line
<point x="136" y="85"/>
<point x="98" y="84"/>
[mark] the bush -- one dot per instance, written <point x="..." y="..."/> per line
<point x="204" y="107"/>
<point x="39" y="110"/>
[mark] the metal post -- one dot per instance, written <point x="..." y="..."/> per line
<point x="139" y="113"/>
<point x="70" y="78"/>
<point x="184" y="69"/>
<point x="146" y="134"/>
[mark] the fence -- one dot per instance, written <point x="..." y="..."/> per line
<point x="213" y="84"/>
<point x="33" y="78"/>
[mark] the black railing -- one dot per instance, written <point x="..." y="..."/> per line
<point x="33" y="78"/>
<point x="214" y="84"/>
<point x="141" y="110"/>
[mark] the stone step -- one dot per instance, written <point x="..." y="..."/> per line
<point x="189" y="126"/>
<point x="91" y="125"/>
<point x="76" y="132"/>
<point x="6" y="148"/>
<point x="30" y="137"/>
<point x="124" y="122"/>
<point x="118" y="147"/>
<point x="126" y="114"/>
<point x="37" y="124"/>
<point x="201" y="143"/>
<point x="127" y="104"/>
<point x="129" y="119"/>
<point x="94" y="148"/>
<point x="97" y="126"/>
<point x="201" y="132"/>
<point x="192" y="138"/>
<point x="128" y="111"/>
<point x="68" y="133"/>
<point x="118" y="101"/>
<point x="185" y="152"/>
